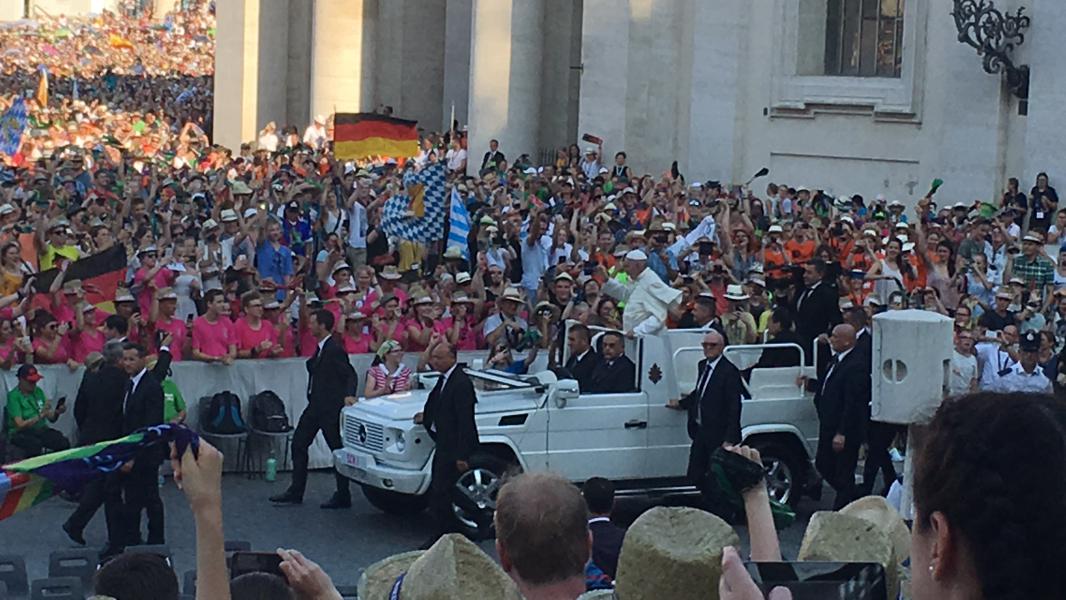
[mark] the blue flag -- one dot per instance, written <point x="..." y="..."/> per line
<point x="460" y="224"/>
<point x="425" y="194"/>
<point x="12" y="124"/>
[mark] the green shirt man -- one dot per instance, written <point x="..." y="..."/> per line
<point x="27" y="410"/>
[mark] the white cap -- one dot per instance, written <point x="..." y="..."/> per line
<point x="530" y="171"/>
<point x="462" y="277"/>
<point x="320" y="119"/>
<point x="636" y="255"/>
<point x="228" y="215"/>
<point x="1032" y="236"/>
<point x="249" y="213"/>
<point x="775" y="229"/>
<point x="6" y="209"/>
<point x="591" y="150"/>
<point x="895" y="203"/>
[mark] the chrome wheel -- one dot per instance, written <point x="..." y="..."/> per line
<point x="477" y="490"/>
<point x="778" y="478"/>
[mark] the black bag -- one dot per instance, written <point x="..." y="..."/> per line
<point x="223" y="415"/>
<point x="268" y="413"/>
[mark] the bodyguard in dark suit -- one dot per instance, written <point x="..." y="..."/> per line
<point x="713" y="409"/>
<point x="492" y="158"/>
<point x="607" y="537"/>
<point x="583" y="359"/>
<point x="842" y="398"/>
<point x="615" y="373"/>
<point x="331" y="384"/>
<point x="879" y="436"/>
<point x="98" y="413"/>
<point x="143" y="407"/>
<point x="817" y="306"/>
<point x="448" y="417"/>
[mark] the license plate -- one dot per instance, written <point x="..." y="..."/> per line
<point x="357" y="461"/>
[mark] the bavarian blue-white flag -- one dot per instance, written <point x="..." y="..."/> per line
<point x="12" y="124"/>
<point x="460" y="224"/>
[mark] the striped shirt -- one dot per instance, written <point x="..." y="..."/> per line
<point x="401" y="378"/>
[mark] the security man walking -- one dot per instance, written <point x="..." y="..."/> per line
<point x="1025" y="375"/>
<point x="448" y="417"/>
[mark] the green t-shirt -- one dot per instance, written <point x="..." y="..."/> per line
<point x="173" y="403"/>
<point x="25" y="407"/>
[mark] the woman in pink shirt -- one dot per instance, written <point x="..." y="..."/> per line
<point x="460" y="328"/>
<point x="256" y="337"/>
<point x="390" y="325"/>
<point x="50" y="345"/>
<point x="420" y="326"/>
<point x="86" y="336"/>
<point x="388" y="285"/>
<point x="356" y="341"/>
<point x="152" y="275"/>
<point x="13" y="345"/>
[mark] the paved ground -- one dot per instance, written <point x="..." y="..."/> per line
<point x="343" y="542"/>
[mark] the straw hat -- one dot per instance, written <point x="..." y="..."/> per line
<point x="390" y="272"/>
<point x="868" y="532"/>
<point x="452" y="568"/>
<point x="673" y="552"/>
<point x="513" y="295"/>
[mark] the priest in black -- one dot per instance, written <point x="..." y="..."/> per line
<point x="615" y="373"/>
<point x="331" y="385"/>
<point x="583" y="359"/>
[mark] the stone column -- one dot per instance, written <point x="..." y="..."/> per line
<point x="1046" y="123"/>
<point x="250" y="68"/>
<point x="409" y="59"/>
<point x="605" y="72"/>
<point x="342" y="55"/>
<point x="505" y="77"/>
<point x="458" y="18"/>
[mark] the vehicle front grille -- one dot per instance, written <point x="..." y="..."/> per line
<point x="363" y="434"/>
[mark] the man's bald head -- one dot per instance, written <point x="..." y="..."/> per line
<point x="442" y="357"/>
<point x="842" y="338"/>
<point x="542" y="533"/>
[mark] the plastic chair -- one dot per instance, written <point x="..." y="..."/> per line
<point x="57" y="588"/>
<point x="13" y="574"/>
<point x="80" y="563"/>
<point x="237" y="546"/>
<point x="218" y="439"/>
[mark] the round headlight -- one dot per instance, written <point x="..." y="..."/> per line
<point x="401" y="443"/>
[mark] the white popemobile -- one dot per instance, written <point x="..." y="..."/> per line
<point x="540" y="422"/>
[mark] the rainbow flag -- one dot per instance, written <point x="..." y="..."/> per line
<point x="34" y="480"/>
<point x="363" y="135"/>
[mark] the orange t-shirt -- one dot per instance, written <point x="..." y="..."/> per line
<point x="800" y="252"/>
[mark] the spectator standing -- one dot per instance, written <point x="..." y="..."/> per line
<point x="213" y="336"/>
<point x="1044" y="201"/>
<point x="963" y="365"/>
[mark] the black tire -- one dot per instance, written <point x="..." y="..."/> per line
<point x="483" y="479"/>
<point x="785" y="470"/>
<point x="395" y="503"/>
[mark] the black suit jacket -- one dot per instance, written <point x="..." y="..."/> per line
<point x="843" y="403"/>
<point x="493" y="158"/>
<point x="144" y="408"/>
<point x="718" y="408"/>
<point x="864" y="342"/>
<point x="98" y="405"/>
<point x="816" y="313"/>
<point x="448" y="416"/>
<point x="582" y="370"/>
<point x="606" y="545"/>
<point x="330" y="377"/>
<point x="613" y="377"/>
<point x="780" y="357"/>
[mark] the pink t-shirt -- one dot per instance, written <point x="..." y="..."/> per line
<point x="163" y="278"/>
<point x="84" y="342"/>
<point x="412" y="344"/>
<point x="61" y="355"/>
<point x="62" y="310"/>
<point x="177" y="329"/>
<point x="308" y="343"/>
<point x="7" y="349"/>
<point x="249" y="339"/>
<point x="356" y="345"/>
<point x="213" y="339"/>
<point x="468" y="335"/>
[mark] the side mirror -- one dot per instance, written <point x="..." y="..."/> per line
<point x="566" y="390"/>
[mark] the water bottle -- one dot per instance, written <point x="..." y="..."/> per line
<point x="271" y="468"/>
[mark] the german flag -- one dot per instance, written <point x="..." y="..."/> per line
<point x="100" y="275"/>
<point x="362" y="135"/>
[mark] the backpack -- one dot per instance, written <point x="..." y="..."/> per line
<point x="268" y="413"/>
<point x="223" y="415"/>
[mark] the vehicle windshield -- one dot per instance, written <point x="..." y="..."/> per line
<point x="484" y="381"/>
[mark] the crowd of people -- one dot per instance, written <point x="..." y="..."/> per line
<point x="556" y="541"/>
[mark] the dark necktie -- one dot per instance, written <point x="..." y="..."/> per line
<point x="126" y="399"/>
<point x="829" y="371"/>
